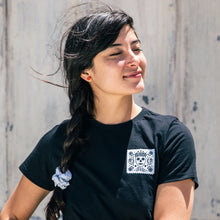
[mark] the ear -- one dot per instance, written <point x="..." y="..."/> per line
<point x="85" y="76"/>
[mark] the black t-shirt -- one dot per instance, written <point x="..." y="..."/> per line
<point x="116" y="174"/>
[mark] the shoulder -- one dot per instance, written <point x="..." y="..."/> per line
<point x="165" y="127"/>
<point x="39" y="166"/>
<point x="157" y="122"/>
<point x="174" y="146"/>
<point x="57" y="132"/>
<point x="54" y="138"/>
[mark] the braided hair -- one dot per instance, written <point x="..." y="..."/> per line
<point x="83" y="41"/>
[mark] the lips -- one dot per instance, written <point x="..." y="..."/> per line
<point x="135" y="74"/>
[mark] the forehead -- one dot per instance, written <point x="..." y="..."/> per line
<point x="126" y="38"/>
<point x="126" y="34"/>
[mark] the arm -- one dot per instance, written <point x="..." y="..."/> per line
<point x="174" y="200"/>
<point x="23" y="201"/>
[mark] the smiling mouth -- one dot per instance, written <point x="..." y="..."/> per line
<point x="137" y="74"/>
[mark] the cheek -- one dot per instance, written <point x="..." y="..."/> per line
<point x="143" y="62"/>
<point x="115" y="63"/>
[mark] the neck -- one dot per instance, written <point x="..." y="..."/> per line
<point x="115" y="111"/>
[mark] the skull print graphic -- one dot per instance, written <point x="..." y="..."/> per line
<point x="140" y="161"/>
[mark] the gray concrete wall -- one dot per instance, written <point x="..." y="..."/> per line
<point x="181" y="40"/>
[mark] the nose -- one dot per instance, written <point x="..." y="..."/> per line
<point x="132" y="59"/>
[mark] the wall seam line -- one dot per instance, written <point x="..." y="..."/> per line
<point x="7" y="89"/>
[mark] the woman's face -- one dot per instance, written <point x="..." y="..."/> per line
<point x="119" y="69"/>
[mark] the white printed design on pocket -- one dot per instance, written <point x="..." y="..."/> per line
<point x="140" y="161"/>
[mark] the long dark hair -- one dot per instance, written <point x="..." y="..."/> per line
<point x="83" y="41"/>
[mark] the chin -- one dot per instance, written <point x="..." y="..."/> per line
<point x="138" y="89"/>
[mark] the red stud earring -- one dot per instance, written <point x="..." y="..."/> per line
<point x="88" y="77"/>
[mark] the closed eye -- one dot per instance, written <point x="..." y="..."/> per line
<point x="137" y="49"/>
<point x="115" y="54"/>
<point x="118" y="53"/>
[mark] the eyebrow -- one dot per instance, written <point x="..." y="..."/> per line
<point x="133" y="42"/>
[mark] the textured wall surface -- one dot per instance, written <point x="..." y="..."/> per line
<point x="181" y="40"/>
<point x="3" y="108"/>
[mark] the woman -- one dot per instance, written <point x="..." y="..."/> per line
<point x="113" y="159"/>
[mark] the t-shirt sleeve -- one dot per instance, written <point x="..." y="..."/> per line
<point x="178" y="156"/>
<point x="40" y="165"/>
